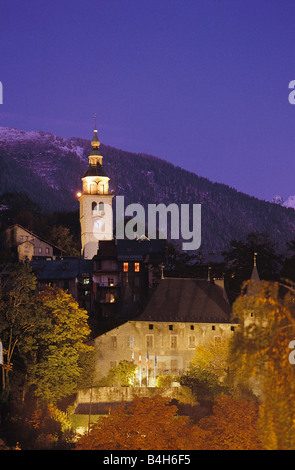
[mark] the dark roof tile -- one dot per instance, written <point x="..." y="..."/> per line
<point x="187" y="300"/>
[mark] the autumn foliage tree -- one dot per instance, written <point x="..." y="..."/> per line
<point x="260" y="352"/>
<point x="54" y="352"/>
<point x="44" y="336"/>
<point x="231" y="426"/>
<point x="122" y="374"/>
<point x="145" y="424"/>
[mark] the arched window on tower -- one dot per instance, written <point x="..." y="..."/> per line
<point x="93" y="188"/>
<point x="101" y="206"/>
<point x="94" y="206"/>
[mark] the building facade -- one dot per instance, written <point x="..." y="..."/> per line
<point x="181" y="314"/>
<point x="27" y="245"/>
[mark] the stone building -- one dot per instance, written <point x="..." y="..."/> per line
<point x="26" y="245"/>
<point x="124" y="274"/>
<point x="181" y="314"/>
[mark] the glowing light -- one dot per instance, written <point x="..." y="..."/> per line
<point x="78" y="194"/>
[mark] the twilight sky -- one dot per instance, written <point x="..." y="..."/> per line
<point x="202" y="84"/>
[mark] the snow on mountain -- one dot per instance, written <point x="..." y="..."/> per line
<point x="277" y="200"/>
<point x="12" y="136"/>
<point x="290" y="202"/>
<point x="44" y="154"/>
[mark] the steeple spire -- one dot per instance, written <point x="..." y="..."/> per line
<point x="95" y="140"/>
<point x="254" y="279"/>
<point x="255" y="255"/>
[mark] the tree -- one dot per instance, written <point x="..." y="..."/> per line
<point x="232" y="426"/>
<point x="213" y="357"/>
<point x="58" y="342"/>
<point x="122" y="375"/>
<point x="145" y="424"/>
<point x="17" y="285"/>
<point x="239" y="262"/>
<point x="260" y="352"/>
<point x="288" y="268"/>
<point x="62" y="237"/>
<point x="204" y="384"/>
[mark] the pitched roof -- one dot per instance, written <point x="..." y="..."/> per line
<point x="131" y="250"/>
<point x="187" y="300"/>
<point x="254" y="284"/>
<point x="70" y="268"/>
<point x="13" y="227"/>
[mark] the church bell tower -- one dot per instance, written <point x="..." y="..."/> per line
<point x="96" y="215"/>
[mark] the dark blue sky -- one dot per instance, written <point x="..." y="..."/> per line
<point x="200" y="83"/>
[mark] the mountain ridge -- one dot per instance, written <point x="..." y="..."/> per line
<point x="49" y="169"/>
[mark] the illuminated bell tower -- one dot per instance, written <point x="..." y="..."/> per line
<point x="96" y="216"/>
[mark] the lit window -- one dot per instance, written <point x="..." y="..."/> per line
<point x="39" y="250"/>
<point x="125" y="267"/>
<point x="47" y="251"/>
<point x="136" y="267"/>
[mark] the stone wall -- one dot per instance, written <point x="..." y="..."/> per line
<point x="113" y="395"/>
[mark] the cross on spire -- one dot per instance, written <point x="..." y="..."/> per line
<point x="95" y="116"/>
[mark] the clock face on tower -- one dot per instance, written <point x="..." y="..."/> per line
<point x="98" y="225"/>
